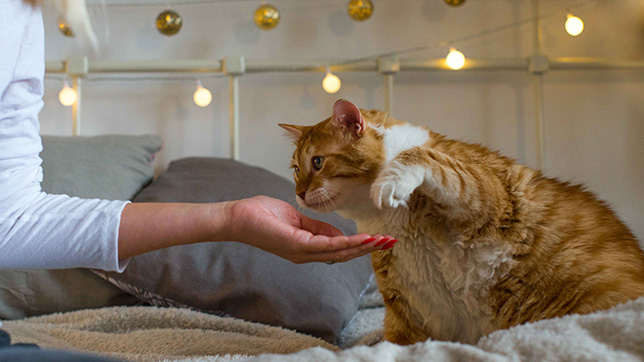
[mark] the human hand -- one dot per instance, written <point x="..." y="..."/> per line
<point x="277" y="227"/>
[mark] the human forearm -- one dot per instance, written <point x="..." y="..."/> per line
<point x="147" y="227"/>
<point x="43" y="231"/>
<point x="263" y="222"/>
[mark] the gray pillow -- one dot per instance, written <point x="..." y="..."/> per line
<point x="229" y="278"/>
<point x="110" y="167"/>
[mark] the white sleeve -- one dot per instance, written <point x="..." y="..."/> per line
<point x="38" y="230"/>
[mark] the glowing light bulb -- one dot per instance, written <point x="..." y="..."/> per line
<point x="202" y="96"/>
<point x="455" y="59"/>
<point x="67" y="95"/>
<point x="331" y="82"/>
<point x="574" y="25"/>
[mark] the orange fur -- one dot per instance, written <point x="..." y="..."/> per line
<point x="485" y="243"/>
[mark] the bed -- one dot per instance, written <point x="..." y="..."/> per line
<point x="226" y="301"/>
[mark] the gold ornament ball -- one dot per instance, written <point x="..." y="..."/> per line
<point x="64" y="28"/>
<point x="454" y="2"/>
<point x="360" y="9"/>
<point x="169" y="22"/>
<point x="266" y="17"/>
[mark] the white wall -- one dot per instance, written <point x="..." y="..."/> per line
<point x="594" y="119"/>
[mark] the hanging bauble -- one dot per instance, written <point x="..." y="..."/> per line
<point x="360" y="9"/>
<point x="266" y="17"/>
<point x="454" y="2"/>
<point x="169" y="22"/>
<point x="64" y="28"/>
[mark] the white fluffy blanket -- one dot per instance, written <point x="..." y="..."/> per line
<point x="613" y="335"/>
<point x="157" y="334"/>
<point x="153" y="334"/>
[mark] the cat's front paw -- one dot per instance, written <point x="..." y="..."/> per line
<point x="395" y="184"/>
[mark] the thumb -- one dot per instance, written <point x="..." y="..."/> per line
<point x="317" y="227"/>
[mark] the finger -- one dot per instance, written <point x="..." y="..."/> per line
<point x="376" y="242"/>
<point x="317" y="227"/>
<point x="324" y="244"/>
<point x="386" y="241"/>
<point x="337" y="257"/>
<point x="352" y="253"/>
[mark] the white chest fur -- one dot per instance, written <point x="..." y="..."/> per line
<point x="447" y="287"/>
<point x="401" y="137"/>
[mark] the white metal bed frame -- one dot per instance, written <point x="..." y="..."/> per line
<point x="235" y="67"/>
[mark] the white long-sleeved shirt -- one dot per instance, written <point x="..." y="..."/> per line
<point x="39" y="230"/>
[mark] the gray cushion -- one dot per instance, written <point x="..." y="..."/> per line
<point x="110" y="167"/>
<point x="236" y="279"/>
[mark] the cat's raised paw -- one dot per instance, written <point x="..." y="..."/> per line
<point x="394" y="186"/>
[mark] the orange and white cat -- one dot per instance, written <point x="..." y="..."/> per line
<point x="484" y="243"/>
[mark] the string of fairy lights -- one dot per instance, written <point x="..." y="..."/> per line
<point x="267" y="17"/>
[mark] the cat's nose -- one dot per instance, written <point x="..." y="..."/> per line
<point x="302" y="194"/>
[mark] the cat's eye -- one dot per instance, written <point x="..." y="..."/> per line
<point x="318" y="161"/>
<point x="297" y="170"/>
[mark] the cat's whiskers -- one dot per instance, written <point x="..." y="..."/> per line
<point x="327" y="198"/>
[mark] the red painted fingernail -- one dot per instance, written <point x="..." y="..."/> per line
<point x="368" y="241"/>
<point x="389" y="245"/>
<point x="382" y="241"/>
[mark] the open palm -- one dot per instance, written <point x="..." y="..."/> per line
<point x="277" y="227"/>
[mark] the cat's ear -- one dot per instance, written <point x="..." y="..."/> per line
<point x="295" y="132"/>
<point x="347" y="116"/>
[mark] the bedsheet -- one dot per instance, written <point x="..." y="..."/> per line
<point x="170" y="334"/>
